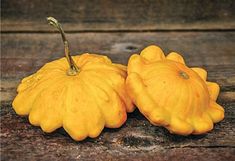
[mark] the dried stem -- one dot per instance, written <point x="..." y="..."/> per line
<point x="73" y="70"/>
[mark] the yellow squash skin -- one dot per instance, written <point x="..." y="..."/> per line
<point x="170" y="94"/>
<point x="82" y="104"/>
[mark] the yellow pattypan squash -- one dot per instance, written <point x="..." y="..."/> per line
<point x="170" y="94"/>
<point x="83" y="98"/>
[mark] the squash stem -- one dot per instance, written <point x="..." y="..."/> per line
<point x="184" y="75"/>
<point x="73" y="70"/>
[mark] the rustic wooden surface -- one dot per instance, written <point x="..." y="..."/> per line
<point x="203" y="35"/>
<point x="96" y="15"/>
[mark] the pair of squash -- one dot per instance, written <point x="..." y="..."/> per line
<point x="92" y="93"/>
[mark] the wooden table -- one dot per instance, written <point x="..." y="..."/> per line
<point x="202" y="31"/>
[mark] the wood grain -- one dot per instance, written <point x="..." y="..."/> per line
<point x="118" y="15"/>
<point x="136" y="140"/>
<point x="23" y="54"/>
<point x="198" y="48"/>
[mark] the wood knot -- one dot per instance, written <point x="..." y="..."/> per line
<point x="131" y="48"/>
<point x="134" y="141"/>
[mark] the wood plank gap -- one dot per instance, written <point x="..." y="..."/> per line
<point x="119" y="31"/>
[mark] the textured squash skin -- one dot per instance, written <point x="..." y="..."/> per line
<point x="83" y="104"/>
<point x="170" y="94"/>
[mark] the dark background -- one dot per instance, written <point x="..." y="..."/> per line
<point x="203" y="31"/>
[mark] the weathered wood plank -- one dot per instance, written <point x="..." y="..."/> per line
<point x="23" y="54"/>
<point x="102" y="153"/>
<point x="198" y="48"/>
<point x="136" y="140"/>
<point x="116" y="15"/>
